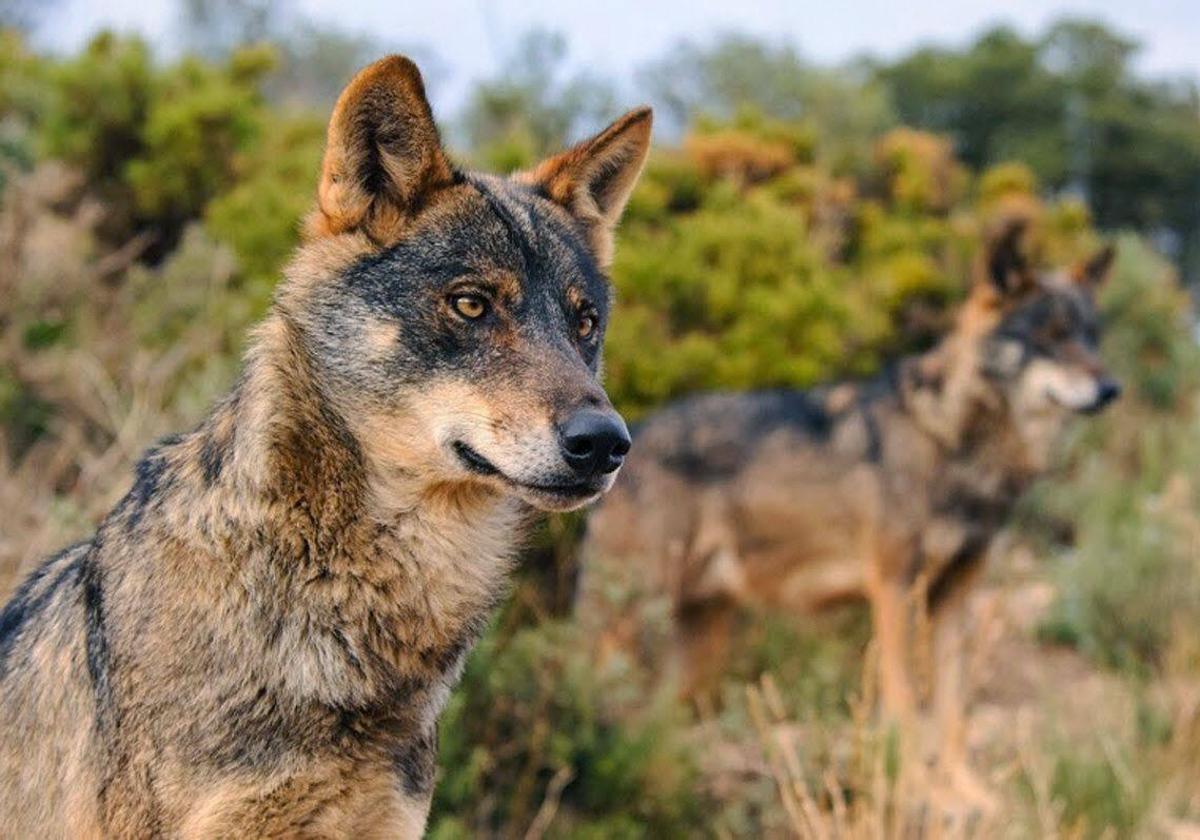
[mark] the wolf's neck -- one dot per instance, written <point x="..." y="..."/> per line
<point x="945" y="394"/>
<point x="291" y="447"/>
<point x="375" y="587"/>
<point x="948" y="398"/>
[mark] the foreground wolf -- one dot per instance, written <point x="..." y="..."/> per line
<point x="892" y="488"/>
<point x="259" y="639"/>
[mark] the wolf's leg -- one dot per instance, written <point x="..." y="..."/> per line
<point x="703" y="645"/>
<point x="891" y="619"/>
<point x="950" y="619"/>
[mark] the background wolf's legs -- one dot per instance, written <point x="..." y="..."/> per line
<point x="703" y="646"/>
<point x="950" y="618"/>
<point x="891" y="619"/>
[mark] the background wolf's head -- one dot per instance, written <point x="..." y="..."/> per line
<point x="456" y="319"/>
<point x="1042" y="349"/>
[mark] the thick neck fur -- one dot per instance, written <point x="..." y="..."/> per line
<point x="948" y="398"/>
<point x="363" y="588"/>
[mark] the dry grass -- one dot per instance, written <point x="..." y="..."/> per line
<point x="104" y="394"/>
<point x="1043" y="721"/>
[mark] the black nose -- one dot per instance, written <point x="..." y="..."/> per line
<point x="594" y="442"/>
<point x="1108" y="391"/>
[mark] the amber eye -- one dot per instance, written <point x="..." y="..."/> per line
<point x="587" y="325"/>
<point x="471" y="307"/>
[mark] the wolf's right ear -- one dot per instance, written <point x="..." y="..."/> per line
<point x="1092" y="273"/>
<point x="1005" y="265"/>
<point x="594" y="179"/>
<point x="383" y="155"/>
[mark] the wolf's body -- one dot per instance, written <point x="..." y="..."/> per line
<point x="258" y="640"/>
<point x="891" y="489"/>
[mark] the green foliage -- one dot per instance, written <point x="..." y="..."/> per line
<point x="843" y="108"/>
<point x="1098" y="797"/>
<point x="156" y="143"/>
<point x="259" y="217"/>
<point x="532" y="108"/>
<point x="726" y="296"/>
<point x="744" y="263"/>
<point x="1069" y="105"/>
<point x="1130" y="584"/>
<point x="1150" y="335"/>
<point x="23" y="96"/>
<point x="100" y="103"/>
<point x="201" y="118"/>
<point x="531" y="707"/>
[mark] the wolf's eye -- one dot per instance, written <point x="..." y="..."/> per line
<point x="471" y="307"/>
<point x="587" y="325"/>
<point x="1059" y="330"/>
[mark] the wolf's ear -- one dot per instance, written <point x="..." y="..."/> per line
<point x="1005" y="265"/>
<point x="593" y="180"/>
<point x="383" y="156"/>
<point x="1092" y="273"/>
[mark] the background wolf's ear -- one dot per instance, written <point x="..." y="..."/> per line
<point x="1095" y="270"/>
<point x="383" y="155"/>
<point x="1005" y="264"/>
<point x="593" y="180"/>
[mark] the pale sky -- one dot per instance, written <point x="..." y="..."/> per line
<point x="612" y="37"/>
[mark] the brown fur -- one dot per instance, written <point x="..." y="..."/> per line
<point x="259" y="639"/>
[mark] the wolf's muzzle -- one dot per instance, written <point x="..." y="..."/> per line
<point x="594" y="442"/>
<point x="1107" y="391"/>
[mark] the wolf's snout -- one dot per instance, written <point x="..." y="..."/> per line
<point x="594" y="442"/>
<point x="1107" y="391"/>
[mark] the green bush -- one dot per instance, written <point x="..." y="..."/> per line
<point x="156" y="143"/>
<point x="741" y="264"/>
<point x="259" y="216"/>
<point x="1097" y="798"/>
<point x="531" y="707"/>
<point x="1130" y="581"/>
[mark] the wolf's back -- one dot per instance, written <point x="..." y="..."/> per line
<point x="673" y="492"/>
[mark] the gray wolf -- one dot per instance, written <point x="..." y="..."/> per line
<point x="892" y="489"/>
<point x="259" y="639"/>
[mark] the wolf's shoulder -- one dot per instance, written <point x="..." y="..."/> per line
<point x="30" y="602"/>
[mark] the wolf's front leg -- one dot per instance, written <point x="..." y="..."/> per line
<point x="950" y="619"/>
<point x="891" y="621"/>
<point x="702" y="653"/>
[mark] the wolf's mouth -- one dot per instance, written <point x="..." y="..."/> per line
<point x="480" y="465"/>
<point x="472" y="460"/>
<point x="1089" y="409"/>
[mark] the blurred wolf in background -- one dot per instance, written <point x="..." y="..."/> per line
<point x="892" y="488"/>
<point x="259" y="639"/>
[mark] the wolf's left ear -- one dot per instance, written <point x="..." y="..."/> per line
<point x="1005" y="265"/>
<point x="1092" y="273"/>
<point x="383" y="156"/>
<point x="594" y="179"/>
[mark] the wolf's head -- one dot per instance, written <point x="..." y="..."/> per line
<point x="1040" y="348"/>
<point x="453" y="319"/>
